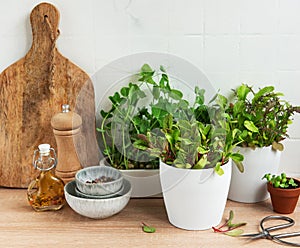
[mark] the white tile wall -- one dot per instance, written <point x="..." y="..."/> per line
<point x="108" y="18"/>
<point x="289" y="52"/>
<point x="256" y="53"/>
<point x="78" y="49"/>
<point x="10" y="25"/>
<point x="120" y="44"/>
<point x="288" y="15"/>
<point x="179" y="24"/>
<point x="222" y="17"/>
<point x="83" y="24"/>
<point x="289" y="163"/>
<point x="148" y="17"/>
<point x="287" y="81"/>
<point x="15" y="47"/>
<point x="221" y="80"/>
<point x="151" y="43"/>
<point x="259" y="79"/>
<point x="221" y="53"/>
<point x="180" y="45"/>
<point x="232" y="41"/>
<point x="258" y="17"/>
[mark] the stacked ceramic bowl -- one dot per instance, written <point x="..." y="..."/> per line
<point x="98" y="192"/>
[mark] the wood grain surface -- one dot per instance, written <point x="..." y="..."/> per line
<point x="32" y="90"/>
<point x="21" y="226"/>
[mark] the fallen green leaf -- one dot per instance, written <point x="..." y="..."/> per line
<point x="231" y="229"/>
<point x="148" y="229"/>
<point x="234" y="233"/>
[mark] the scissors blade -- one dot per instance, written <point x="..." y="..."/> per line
<point x="279" y="238"/>
<point x="253" y="235"/>
<point x="286" y="235"/>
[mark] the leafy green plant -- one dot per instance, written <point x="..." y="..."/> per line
<point x="280" y="181"/>
<point x="121" y="125"/>
<point x="262" y="117"/>
<point x="196" y="142"/>
<point x="168" y="127"/>
<point x="231" y="228"/>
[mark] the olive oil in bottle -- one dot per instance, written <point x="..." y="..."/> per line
<point x="46" y="192"/>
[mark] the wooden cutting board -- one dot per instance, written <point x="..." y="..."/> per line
<point x="32" y="90"/>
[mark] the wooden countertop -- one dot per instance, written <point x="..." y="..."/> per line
<point x="21" y="226"/>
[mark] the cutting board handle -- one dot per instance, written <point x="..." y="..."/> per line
<point x="44" y="20"/>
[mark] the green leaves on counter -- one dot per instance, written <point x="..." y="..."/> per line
<point x="231" y="228"/>
<point x="148" y="229"/>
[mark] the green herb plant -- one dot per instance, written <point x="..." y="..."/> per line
<point x="168" y="127"/>
<point x="280" y="181"/>
<point x="231" y="229"/>
<point x="196" y="141"/>
<point x="261" y="117"/>
<point x="130" y="117"/>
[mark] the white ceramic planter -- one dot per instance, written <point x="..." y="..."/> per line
<point x="144" y="183"/>
<point x="248" y="187"/>
<point x="194" y="199"/>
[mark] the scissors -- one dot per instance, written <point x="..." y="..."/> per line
<point x="265" y="232"/>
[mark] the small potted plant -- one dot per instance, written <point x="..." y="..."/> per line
<point x="261" y="118"/>
<point x="136" y="109"/>
<point x="284" y="192"/>
<point x="195" y="148"/>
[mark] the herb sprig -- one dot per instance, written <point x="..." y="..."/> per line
<point x="231" y="229"/>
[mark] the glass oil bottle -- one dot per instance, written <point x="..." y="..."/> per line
<point x="46" y="192"/>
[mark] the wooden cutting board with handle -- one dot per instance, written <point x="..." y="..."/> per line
<point x="32" y="90"/>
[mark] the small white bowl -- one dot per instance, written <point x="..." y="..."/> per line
<point x="101" y="188"/>
<point x="80" y="194"/>
<point x="97" y="208"/>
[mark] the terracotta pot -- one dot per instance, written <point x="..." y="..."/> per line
<point x="284" y="201"/>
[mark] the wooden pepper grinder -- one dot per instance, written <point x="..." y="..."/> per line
<point x="66" y="128"/>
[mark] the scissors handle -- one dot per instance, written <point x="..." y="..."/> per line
<point x="265" y="232"/>
<point x="290" y="222"/>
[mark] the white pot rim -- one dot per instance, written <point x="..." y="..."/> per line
<point x="256" y="148"/>
<point x="196" y="170"/>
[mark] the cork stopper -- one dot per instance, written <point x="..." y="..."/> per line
<point x="66" y="120"/>
<point x="44" y="148"/>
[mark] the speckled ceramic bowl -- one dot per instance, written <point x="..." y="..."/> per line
<point x="97" y="208"/>
<point x="94" y="172"/>
<point x="83" y="195"/>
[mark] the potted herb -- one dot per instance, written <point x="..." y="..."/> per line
<point x="195" y="148"/>
<point x="136" y="109"/>
<point x="261" y="118"/>
<point x="284" y="192"/>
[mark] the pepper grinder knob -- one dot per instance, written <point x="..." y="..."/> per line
<point x="65" y="108"/>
